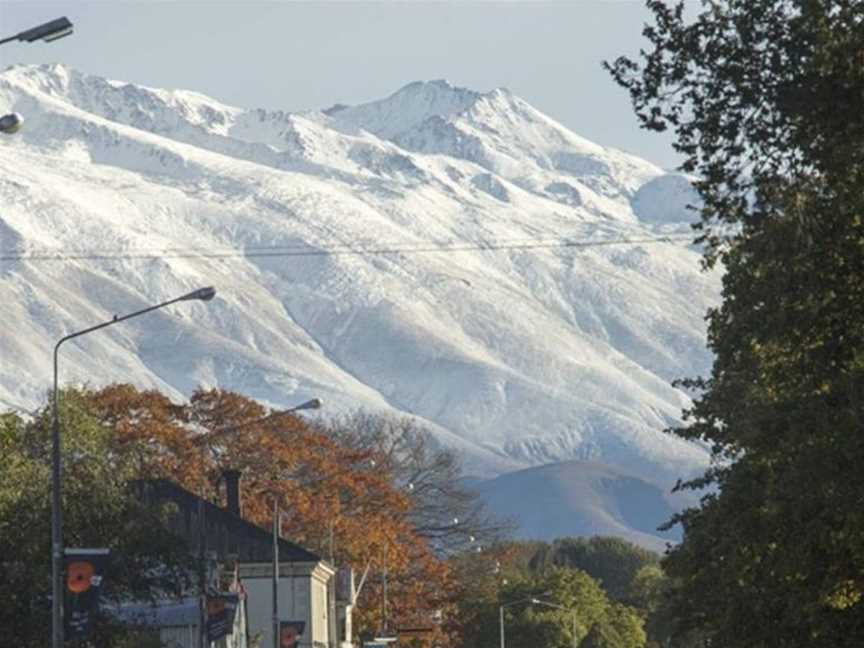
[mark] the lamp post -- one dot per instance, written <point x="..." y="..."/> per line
<point x="560" y="607"/>
<point x="315" y="403"/>
<point x="312" y="404"/>
<point x="47" y="32"/>
<point x="202" y="294"/>
<point x="527" y="599"/>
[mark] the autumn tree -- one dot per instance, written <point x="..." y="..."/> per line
<point x="443" y="513"/>
<point x="344" y="500"/>
<point x="764" y="98"/>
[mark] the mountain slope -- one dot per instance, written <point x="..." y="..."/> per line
<point x="116" y="196"/>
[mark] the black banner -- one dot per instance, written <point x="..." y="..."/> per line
<point x="220" y="615"/>
<point x="85" y="569"/>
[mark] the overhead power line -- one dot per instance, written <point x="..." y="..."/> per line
<point x="297" y="251"/>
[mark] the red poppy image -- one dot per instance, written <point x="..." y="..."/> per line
<point x="79" y="576"/>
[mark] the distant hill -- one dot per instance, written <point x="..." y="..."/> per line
<point x="579" y="498"/>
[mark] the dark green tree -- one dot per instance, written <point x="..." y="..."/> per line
<point x="765" y="100"/>
<point x="621" y="627"/>
<point x="99" y="511"/>
<point x="527" y="624"/>
<point x="611" y="561"/>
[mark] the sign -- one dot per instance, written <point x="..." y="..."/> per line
<point x="220" y="615"/>
<point x="85" y="569"/>
<point x="290" y="632"/>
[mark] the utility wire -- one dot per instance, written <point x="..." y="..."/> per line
<point x="288" y="251"/>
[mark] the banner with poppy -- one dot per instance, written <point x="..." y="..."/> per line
<point x="85" y="569"/>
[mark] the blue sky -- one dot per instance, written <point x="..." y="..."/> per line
<point x="302" y="55"/>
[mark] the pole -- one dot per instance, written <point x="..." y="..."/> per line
<point x="384" y="597"/>
<point x="575" y="645"/>
<point x="202" y="573"/>
<point x="56" y="522"/>
<point x="202" y="555"/>
<point x="275" y="573"/>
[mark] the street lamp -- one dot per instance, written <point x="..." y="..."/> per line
<point x="315" y="403"/>
<point x="202" y="294"/>
<point x="312" y="404"/>
<point x="559" y="607"/>
<point x="47" y="32"/>
<point x="527" y="599"/>
<point x="50" y="31"/>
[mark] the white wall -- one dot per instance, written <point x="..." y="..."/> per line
<point x="319" y="613"/>
<point x="302" y="597"/>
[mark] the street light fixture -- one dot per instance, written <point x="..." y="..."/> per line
<point x="314" y="403"/>
<point x="536" y="601"/>
<point x="203" y="294"/>
<point x="48" y="32"/>
<point x="11" y="123"/>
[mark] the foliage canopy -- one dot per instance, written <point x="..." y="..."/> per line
<point x="764" y="97"/>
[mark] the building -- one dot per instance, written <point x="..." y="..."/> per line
<point x="307" y="584"/>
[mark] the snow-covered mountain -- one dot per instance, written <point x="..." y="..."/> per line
<point x="424" y="254"/>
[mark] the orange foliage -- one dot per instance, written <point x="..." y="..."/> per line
<point x="336" y="501"/>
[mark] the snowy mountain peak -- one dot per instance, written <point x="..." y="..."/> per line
<point x="406" y="108"/>
<point x="391" y="255"/>
<point x="433" y="86"/>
